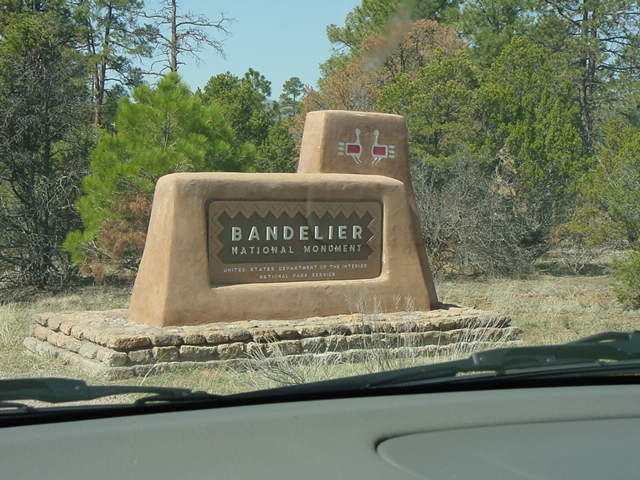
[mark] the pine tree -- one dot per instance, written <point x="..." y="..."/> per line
<point x="278" y="151"/>
<point x="244" y="103"/>
<point x="45" y="137"/>
<point x="292" y="91"/>
<point x="532" y="126"/>
<point x="163" y="130"/>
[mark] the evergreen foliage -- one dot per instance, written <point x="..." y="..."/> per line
<point x="244" y="104"/>
<point x="532" y="127"/>
<point x="164" y="129"/>
<point x="45" y="136"/>
<point x="608" y="207"/>
<point x="437" y="101"/>
<point x="626" y="271"/>
<point x="292" y="91"/>
<point x="278" y="151"/>
<point x="520" y="129"/>
<point x="378" y="16"/>
<point x="490" y="25"/>
<point x="110" y="35"/>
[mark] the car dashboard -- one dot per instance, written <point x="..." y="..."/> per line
<point x="528" y="433"/>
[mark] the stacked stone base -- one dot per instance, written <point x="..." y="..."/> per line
<point x="105" y="344"/>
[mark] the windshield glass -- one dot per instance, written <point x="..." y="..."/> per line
<point x="277" y="195"/>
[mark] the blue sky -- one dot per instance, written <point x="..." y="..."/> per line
<point x="279" y="38"/>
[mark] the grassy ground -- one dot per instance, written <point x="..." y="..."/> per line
<point x="16" y="361"/>
<point x="549" y="309"/>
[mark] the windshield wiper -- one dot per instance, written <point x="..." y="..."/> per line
<point x="604" y="353"/>
<point x="59" y="390"/>
<point x="13" y="407"/>
<point x="602" y="350"/>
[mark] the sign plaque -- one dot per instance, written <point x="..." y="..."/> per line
<point x="293" y="241"/>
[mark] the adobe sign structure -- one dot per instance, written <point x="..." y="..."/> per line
<point x="225" y="247"/>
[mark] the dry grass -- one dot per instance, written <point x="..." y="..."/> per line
<point x="549" y="309"/>
<point x="16" y="318"/>
<point x="262" y="370"/>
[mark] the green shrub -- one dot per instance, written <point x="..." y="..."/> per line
<point x="626" y="271"/>
<point x="45" y="137"/>
<point x="163" y="129"/>
<point x="608" y="204"/>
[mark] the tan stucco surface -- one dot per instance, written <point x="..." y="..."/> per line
<point x="173" y="288"/>
<point x="173" y="285"/>
<point x="324" y="131"/>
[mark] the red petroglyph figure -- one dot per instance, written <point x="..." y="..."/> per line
<point x="380" y="151"/>
<point x="352" y="149"/>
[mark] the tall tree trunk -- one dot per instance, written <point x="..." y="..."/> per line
<point x="101" y="79"/>
<point x="589" y="36"/>
<point x="100" y="85"/>
<point x="174" y="38"/>
<point x="586" y="107"/>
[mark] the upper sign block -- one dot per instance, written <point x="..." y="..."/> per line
<point x="355" y="142"/>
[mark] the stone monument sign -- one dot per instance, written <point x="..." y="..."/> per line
<point x="243" y="266"/>
<point x="225" y="247"/>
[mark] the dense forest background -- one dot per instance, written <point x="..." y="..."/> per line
<point x="523" y="115"/>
